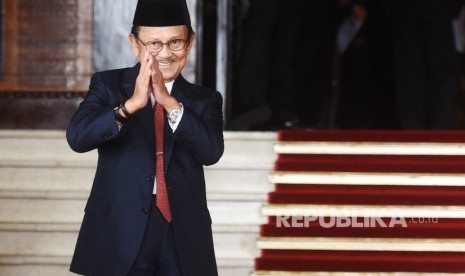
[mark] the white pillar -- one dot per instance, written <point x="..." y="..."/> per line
<point x="222" y="43"/>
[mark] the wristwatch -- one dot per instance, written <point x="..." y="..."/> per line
<point x="174" y="114"/>
<point x="120" y="120"/>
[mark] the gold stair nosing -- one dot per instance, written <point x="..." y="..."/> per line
<point x="324" y="273"/>
<point x="362" y="244"/>
<point x="370" y="148"/>
<point x="367" y="178"/>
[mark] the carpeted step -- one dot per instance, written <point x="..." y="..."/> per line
<point x="419" y="136"/>
<point x="367" y="195"/>
<point x="435" y="228"/>
<point x="331" y="187"/>
<point x="361" y="261"/>
<point x="370" y="163"/>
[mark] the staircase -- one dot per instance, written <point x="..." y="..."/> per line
<point x="44" y="187"/>
<point x="364" y="203"/>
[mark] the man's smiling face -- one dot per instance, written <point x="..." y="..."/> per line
<point x="170" y="62"/>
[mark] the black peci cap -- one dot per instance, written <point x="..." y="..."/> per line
<point x="160" y="13"/>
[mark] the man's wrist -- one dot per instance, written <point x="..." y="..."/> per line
<point x="123" y="109"/>
<point x="172" y="105"/>
<point x="129" y="108"/>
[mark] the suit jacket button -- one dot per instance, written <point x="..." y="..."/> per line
<point x="150" y="178"/>
<point x="145" y="210"/>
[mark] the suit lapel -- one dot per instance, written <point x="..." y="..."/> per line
<point x="128" y="81"/>
<point x="145" y="116"/>
<point x="182" y="92"/>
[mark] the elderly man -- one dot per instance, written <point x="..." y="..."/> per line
<point x="147" y="211"/>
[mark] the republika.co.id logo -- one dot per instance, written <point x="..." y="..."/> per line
<point x="346" y="222"/>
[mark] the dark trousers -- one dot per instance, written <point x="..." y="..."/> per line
<point x="157" y="255"/>
<point x="426" y="73"/>
<point x="254" y="68"/>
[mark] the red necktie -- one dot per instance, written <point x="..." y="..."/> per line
<point x="162" y="194"/>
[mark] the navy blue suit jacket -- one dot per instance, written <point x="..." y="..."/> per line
<point x="116" y="212"/>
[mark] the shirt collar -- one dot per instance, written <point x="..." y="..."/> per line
<point x="169" y="86"/>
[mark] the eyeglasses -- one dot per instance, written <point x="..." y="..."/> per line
<point x="156" y="46"/>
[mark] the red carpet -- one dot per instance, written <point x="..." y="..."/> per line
<point x="430" y="229"/>
<point x="371" y="163"/>
<point x="361" y="261"/>
<point x="442" y="228"/>
<point x="419" y="136"/>
<point x="366" y="194"/>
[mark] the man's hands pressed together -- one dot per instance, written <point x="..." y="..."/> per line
<point x="150" y="81"/>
